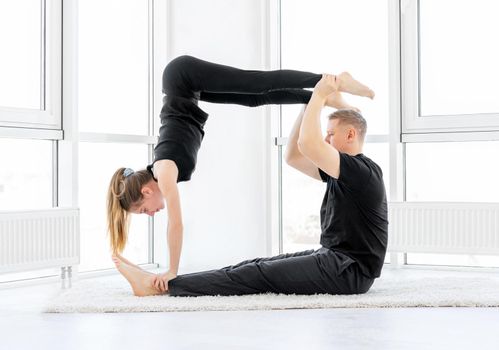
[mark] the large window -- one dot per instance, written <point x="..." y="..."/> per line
<point x="20" y="61"/>
<point x="28" y="103"/>
<point x="107" y="93"/>
<point x="313" y="38"/>
<point x="30" y="107"/>
<point x="114" y="114"/>
<point x="449" y="67"/>
<point x="458" y="63"/>
<point x="25" y="174"/>
<point x="95" y="174"/>
<point x="30" y="64"/>
<point x="113" y="66"/>
<point x="453" y="171"/>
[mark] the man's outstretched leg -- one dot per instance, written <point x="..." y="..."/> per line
<point x="323" y="271"/>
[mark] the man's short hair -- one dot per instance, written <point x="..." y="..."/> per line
<point x="349" y="116"/>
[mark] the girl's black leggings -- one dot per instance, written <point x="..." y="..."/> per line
<point x="192" y="78"/>
<point x="187" y="80"/>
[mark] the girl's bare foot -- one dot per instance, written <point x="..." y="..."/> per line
<point x="336" y="100"/>
<point x="348" y="84"/>
<point x="124" y="261"/>
<point x="141" y="281"/>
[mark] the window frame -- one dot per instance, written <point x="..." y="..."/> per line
<point x="57" y="118"/>
<point x="48" y="116"/>
<point x="157" y="56"/>
<point x="418" y="128"/>
<point x="396" y="149"/>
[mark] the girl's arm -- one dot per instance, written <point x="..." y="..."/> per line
<point x="175" y="227"/>
<point x="167" y="173"/>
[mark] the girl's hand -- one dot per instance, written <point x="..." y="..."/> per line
<point x="326" y="86"/>
<point x="160" y="281"/>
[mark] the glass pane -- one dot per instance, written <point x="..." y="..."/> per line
<point x="453" y="171"/>
<point x="113" y="66"/>
<point x="459" y="67"/>
<point x="25" y="179"/>
<point x="302" y="199"/>
<point x="20" y="32"/>
<point x="98" y="162"/>
<point x="310" y="42"/>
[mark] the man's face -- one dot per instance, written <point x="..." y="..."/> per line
<point x="336" y="135"/>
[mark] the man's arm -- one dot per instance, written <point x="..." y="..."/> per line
<point x="310" y="142"/>
<point x="293" y="155"/>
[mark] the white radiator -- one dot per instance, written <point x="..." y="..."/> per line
<point x="443" y="227"/>
<point x="38" y="239"/>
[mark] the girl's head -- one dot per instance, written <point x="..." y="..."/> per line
<point x="130" y="192"/>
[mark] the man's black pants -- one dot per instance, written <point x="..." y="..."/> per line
<point x="308" y="272"/>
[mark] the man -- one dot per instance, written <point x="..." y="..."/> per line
<point x="354" y="210"/>
<point x="353" y="217"/>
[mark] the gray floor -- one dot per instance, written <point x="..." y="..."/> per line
<point x="23" y="326"/>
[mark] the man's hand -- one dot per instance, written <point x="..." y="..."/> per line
<point x="326" y="86"/>
<point x="160" y="281"/>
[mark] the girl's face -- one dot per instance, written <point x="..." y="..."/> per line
<point x="152" y="200"/>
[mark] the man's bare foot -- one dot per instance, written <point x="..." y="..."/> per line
<point x="348" y="84"/>
<point x="336" y="100"/>
<point x="141" y="281"/>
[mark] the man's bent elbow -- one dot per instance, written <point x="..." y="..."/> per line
<point x="306" y="147"/>
<point x="289" y="158"/>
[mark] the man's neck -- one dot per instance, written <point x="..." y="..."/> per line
<point x="353" y="151"/>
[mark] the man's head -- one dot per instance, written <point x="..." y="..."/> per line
<point x="346" y="130"/>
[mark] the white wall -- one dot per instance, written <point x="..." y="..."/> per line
<point x="225" y="203"/>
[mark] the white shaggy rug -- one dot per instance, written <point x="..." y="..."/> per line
<point x="395" y="288"/>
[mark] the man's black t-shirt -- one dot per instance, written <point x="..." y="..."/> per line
<point x="354" y="213"/>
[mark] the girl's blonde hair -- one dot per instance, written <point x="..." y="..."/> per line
<point x="124" y="193"/>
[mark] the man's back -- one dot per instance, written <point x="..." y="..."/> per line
<point x="354" y="213"/>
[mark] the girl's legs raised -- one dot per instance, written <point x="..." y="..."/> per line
<point x="187" y="73"/>
<point x="187" y="76"/>
<point x="253" y="100"/>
